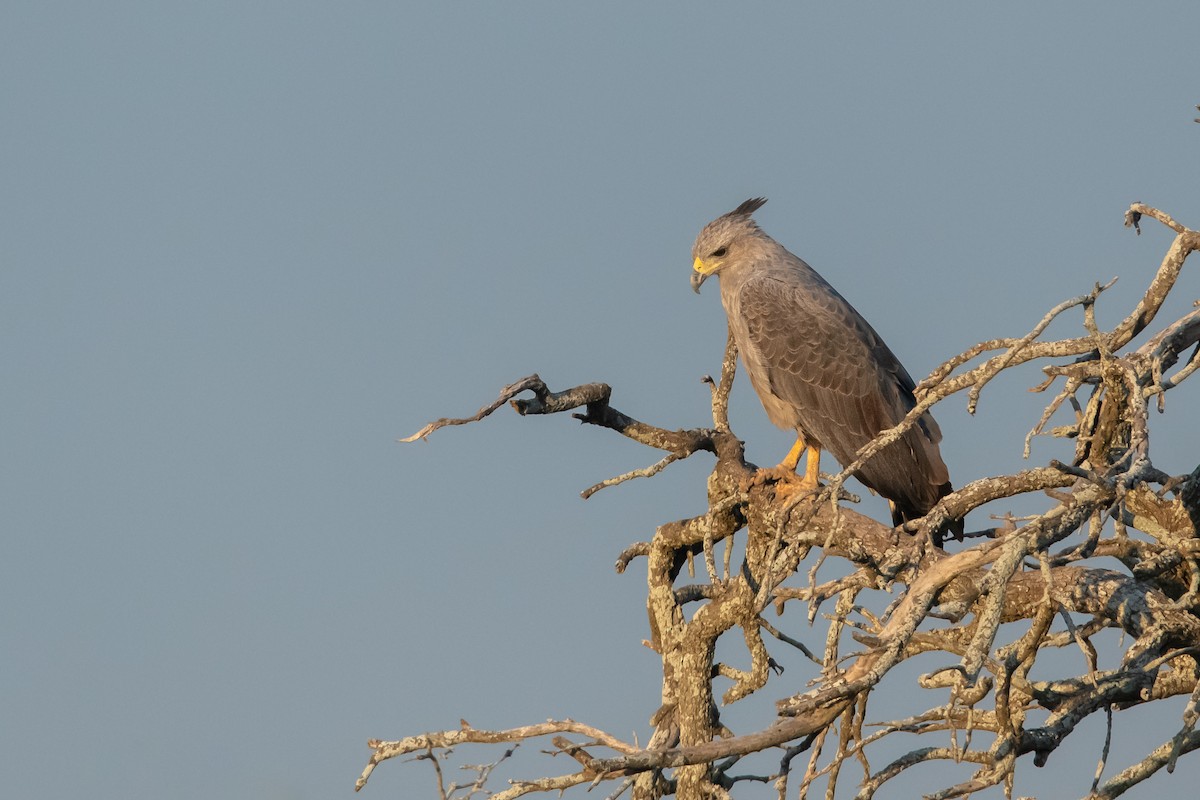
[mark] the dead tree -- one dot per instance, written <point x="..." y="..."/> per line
<point x="988" y="608"/>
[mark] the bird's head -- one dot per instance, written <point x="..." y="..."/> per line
<point x="722" y="241"/>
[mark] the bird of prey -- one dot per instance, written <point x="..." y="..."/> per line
<point x="819" y="367"/>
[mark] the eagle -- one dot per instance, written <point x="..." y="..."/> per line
<point x="818" y="366"/>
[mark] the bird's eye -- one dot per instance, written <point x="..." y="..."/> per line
<point x="720" y="252"/>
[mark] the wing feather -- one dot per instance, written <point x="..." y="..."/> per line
<point x="820" y="367"/>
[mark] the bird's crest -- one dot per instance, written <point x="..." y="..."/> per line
<point x="749" y="207"/>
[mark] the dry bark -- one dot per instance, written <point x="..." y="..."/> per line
<point x="1010" y="596"/>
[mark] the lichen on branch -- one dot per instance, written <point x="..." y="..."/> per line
<point x="1115" y="548"/>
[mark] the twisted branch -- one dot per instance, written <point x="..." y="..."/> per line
<point x="1036" y="575"/>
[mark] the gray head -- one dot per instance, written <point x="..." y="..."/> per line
<point x="725" y="240"/>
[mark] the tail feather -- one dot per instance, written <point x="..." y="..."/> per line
<point x="955" y="527"/>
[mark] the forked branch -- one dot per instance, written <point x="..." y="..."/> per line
<point x="988" y="611"/>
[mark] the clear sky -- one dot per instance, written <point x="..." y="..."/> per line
<point x="245" y="246"/>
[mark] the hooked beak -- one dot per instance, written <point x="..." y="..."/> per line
<point x="700" y="273"/>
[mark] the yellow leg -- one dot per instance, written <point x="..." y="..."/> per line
<point x="793" y="457"/>
<point x="784" y="476"/>
<point x="812" y="469"/>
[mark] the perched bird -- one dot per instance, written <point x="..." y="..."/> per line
<point x="818" y="366"/>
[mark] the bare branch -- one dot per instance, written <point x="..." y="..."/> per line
<point x="987" y="612"/>
<point x="533" y="382"/>
<point x="466" y="734"/>
<point x="645" y="472"/>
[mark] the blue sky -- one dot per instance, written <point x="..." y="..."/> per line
<point x="247" y="246"/>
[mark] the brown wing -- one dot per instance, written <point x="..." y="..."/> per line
<point x="809" y="351"/>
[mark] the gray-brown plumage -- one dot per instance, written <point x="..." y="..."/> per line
<point x="817" y="365"/>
